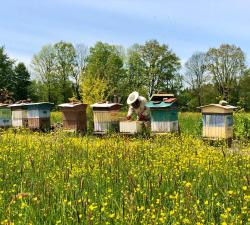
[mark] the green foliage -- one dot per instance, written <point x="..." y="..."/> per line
<point x="22" y="82"/>
<point x="54" y="65"/>
<point x="161" y="66"/>
<point x="94" y="90"/>
<point x="6" y="71"/>
<point x="190" y="124"/>
<point x="154" y="67"/>
<point x="104" y="63"/>
<point x="14" y="78"/>
<point x="226" y="64"/>
<point x="65" y="57"/>
<point x="135" y="79"/>
<point x="244" y="91"/>
<point x="56" y="117"/>
<point x="241" y="125"/>
<point x="43" y="64"/>
<point x="64" y="71"/>
<point x="82" y="52"/>
<point x="195" y="74"/>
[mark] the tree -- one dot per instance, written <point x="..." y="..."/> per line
<point x="195" y="74"/>
<point x="22" y="82"/>
<point x="82" y="53"/>
<point x="161" y="67"/>
<point x="93" y="89"/>
<point x="135" y="71"/>
<point x="6" y="71"/>
<point x="65" y="62"/>
<point x="104" y="63"/>
<point x="226" y="64"/>
<point x="37" y="92"/>
<point x="43" y="65"/>
<point x="244" y="91"/>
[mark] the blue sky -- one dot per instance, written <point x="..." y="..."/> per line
<point x="186" y="26"/>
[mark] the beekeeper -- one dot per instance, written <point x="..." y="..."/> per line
<point x="137" y="105"/>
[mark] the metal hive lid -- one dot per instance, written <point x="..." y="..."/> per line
<point x="39" y="103"/>
<point x="70" y="105"/>
<point x="16" y="105"/>
<point x="218" y="105"/>
<point x="30" y="104"/>
<point x="104" y="105"/>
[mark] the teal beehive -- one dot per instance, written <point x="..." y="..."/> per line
<point x="163" y="113"/>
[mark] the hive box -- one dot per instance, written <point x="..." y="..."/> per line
<point x="105" y="117"/>
<point x="19" y="115"/>
<point x="217" y="121"/>
<point x="131" y="127"/>
<point x="74" y="116"/>
<point x="38" y="115"/>
<point x="164" y="114"/>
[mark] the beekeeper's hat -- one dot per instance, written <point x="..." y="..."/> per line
<point x="132" y="97"/>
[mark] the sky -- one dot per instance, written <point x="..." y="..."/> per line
<point x="186" y="26"/>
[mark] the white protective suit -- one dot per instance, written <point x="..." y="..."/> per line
<point x="141" y="110"/>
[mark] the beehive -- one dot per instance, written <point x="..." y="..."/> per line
<point x="19" y="115"/>
<point x="217" y="121"/>
<point x="74" y="116"/>
<point x="5" y="116"/>
<point x="163" y="113"/>
<point x="131" y="127"/>
<point x="106" y="117"/>
<point x="38" y="115"/>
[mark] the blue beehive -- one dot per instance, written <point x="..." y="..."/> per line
<point x="38" y="115"/>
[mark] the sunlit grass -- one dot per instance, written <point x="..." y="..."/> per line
<point x="60" y="179"/>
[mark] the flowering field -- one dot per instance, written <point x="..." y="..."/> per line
<point x="59" y="178"/>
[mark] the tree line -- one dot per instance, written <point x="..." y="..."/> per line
<point x="104" y="72"/>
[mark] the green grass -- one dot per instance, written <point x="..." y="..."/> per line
<point x="59" y="179"/>
<point x="56" y="117"/>
<point x="190" y="123"/>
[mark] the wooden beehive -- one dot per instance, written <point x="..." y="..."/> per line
<point x="19" y="115"/>
<point x="38" y="115"/>
<point x="74" y="116"/>
<point x="217" y="121"/>
<point x="163" y="113"/>
<point x="131" y="127"/>
<point x="106" y="117"/>
<point x="5" y="116"/>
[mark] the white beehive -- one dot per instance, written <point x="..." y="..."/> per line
<point x="19" y="115"/>
<point x="105" y="116"/>
<point x="131" y="127"/>
<point x="217" y="121"/>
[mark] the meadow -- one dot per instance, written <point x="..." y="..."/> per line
<point x="61" y="178"/>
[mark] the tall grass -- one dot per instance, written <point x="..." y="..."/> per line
<point x="56" y="117"/>
<point x="59" y="179"/>
<point x="242" y="125"/>
<point x="190" y="123"/>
